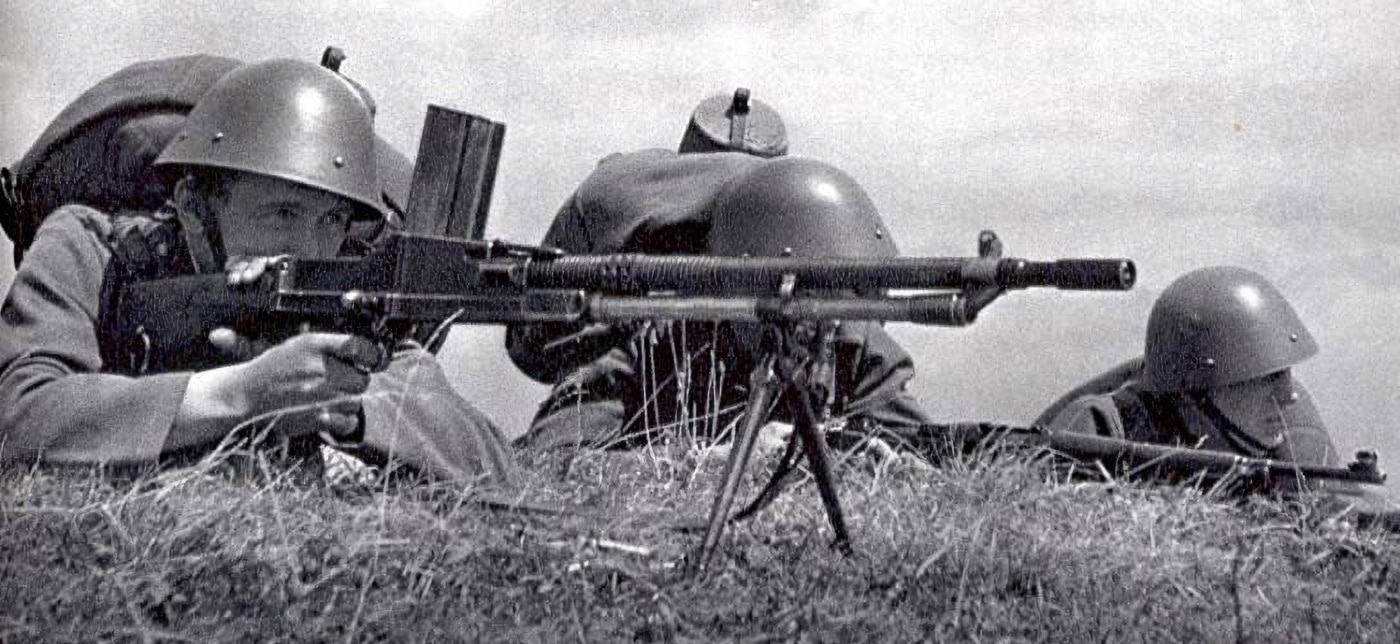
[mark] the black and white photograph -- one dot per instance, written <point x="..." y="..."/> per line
<point x="742" y="321"/>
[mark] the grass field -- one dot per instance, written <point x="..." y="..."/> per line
<point x="989" y="550"/>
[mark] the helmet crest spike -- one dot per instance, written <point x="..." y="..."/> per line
<point x="735" y="123"/>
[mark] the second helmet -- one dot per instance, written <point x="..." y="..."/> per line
<point x="1218" y="326"/>
<point x="797" y="206"/>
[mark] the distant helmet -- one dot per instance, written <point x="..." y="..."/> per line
<point x="797" y="206"/>
<point x="288" y="119"/>
<point x="735" y="124"/>
<point x="1218" y="326"/>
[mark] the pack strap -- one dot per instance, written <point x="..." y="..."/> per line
<point x="9" y="214"/>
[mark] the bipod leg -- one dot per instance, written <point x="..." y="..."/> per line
<point x="763" y="388"/>
<point x="805" y="419"/>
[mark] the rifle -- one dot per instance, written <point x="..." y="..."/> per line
<point x="1134" y="459"/>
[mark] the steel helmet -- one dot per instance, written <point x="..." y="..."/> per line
<point x="288" y="119"/>
<point x="735" y="124"/>
<point x="1218" y="326"/>
<point x="796" y="206"/>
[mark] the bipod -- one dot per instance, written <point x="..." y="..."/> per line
<point x="800" y="377"/>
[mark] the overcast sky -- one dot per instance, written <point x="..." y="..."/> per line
<point x="1261" y="133"/>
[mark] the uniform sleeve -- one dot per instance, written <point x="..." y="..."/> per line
<point x="1103" y="383"/>
<point x="414" y="418"/>
<point x="587" y="407"/>
<point x="873" y="373"/>
<point x="547" y="351"/>
<point x="55" y="405"/>
<point x="1090" y="414"/>
<point x="649" y="201"/>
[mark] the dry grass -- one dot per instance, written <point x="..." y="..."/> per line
<point x="981" y="550"/>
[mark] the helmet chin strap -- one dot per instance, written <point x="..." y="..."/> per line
<point x="1239" y="439"/>
<point x="197" y="235"/>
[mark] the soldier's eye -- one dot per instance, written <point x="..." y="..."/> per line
<point x="274" y="216"/>
<point x="335" y="218"/>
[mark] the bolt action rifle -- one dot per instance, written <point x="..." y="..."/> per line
<point x="1109" y="457"/>
<point x="1134" y="459"/>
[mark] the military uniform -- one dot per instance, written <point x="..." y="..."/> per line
<point x="1216" y="373"/>
<point x="619" y="385"/>
<point x="1118" y="406"/>
<point x="57" y="405"/>
<point x="275" y="157"/>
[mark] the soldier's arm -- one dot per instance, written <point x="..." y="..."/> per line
<point x="413" y="418"/>
<point x="549" y="351"/>
<point x="873" y="373"/>
<point x="1089" y="414"/>
<point x="54" y="400"/>
<point x="1103" y="383"/>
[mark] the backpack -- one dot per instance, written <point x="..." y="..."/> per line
<point x="98" y="151"/>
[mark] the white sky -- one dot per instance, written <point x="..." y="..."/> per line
<point x="1262" y="133"/>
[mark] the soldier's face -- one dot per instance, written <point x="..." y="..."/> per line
<point x="263" y="216"/>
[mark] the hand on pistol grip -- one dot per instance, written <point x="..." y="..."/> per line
<point x="324" y="371"/>
<point x="315" y="375"/>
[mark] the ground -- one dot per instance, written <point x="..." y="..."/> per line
<point x="593" y="547"/>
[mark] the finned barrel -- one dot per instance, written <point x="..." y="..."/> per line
<point x="942" y="309"/>
<point x="705" y="274"/>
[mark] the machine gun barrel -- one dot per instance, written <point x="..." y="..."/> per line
<point x="731" y="275"/>
<point x="942" y="309"/>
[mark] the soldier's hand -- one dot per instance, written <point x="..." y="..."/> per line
<point x="247" y="270"/>
<point x="326" y="371"/>
<point x="237" y="347"/>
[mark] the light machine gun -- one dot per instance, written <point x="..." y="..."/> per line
<point x="415" y="282"/>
